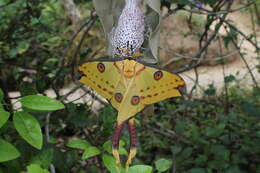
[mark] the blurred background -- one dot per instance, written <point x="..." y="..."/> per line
<point x="213" y="45"/>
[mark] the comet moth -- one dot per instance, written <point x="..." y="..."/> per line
<point x="129" y="85"/>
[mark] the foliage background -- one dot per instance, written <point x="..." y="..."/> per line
<point x="42" y="43"/>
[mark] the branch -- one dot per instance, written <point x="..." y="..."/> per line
<point x="167" y="133"/>
<point x="8" y="3"/>
<point x="208" y="12"/>
<point x="87" y="25"/>
<point x="195" y="63"/>
<point x="47" y="134"/>
<point x="205" y="11"/>
<point x="245" y="62"/>
<point x="181" y="56"/>
<point x="72" y="11"/>
<point x="90" y="23"/>
<point x="64" y="97"/>
<point x="241" y="33"/>
<point x="195" y="83"/>
<point x="91" y="93"/>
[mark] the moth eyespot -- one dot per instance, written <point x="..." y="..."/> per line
<point x="101" y="67"/>
<point x="118" y="97"/>
<point x="158" y="75"/>
<point x="135" y="100"/>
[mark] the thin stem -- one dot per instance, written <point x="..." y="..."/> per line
<point x="244" y="60"/>
<point x="47" y="135"/>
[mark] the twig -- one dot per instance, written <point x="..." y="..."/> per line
<point x="195" y="63"/>
<point x="241" y="33"/>
<point x="208" y="12"/>
<point x="195" y="83"/>
<point x="64" y="97"/>
<point x="172" y="11"/>
<point x="244" y="60"/>
<point x="225" y="83"/>
<point x="56" y="90"/>
<point x="193" y="80"/>
<point x="87" y="25"/>
<point x="174" y="165"/>
<point x="52" y="168"/>
<point x="181" y="56"/>
<point x="47" y="131"/>
<point x="167" y="133"/>
<point x="90" y="23"/>
<point x="214" y="34"/>
<point x="91" y="93"/>
<point x="92" y="141"/>
<point x="254" y="27"/>
<point x="205" y="11"/>
<point x="78" y="98"/>
<point x="47" y="135"/>
<point x="257" y="12"/>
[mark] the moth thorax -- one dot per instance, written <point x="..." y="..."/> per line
<point x="129" y="68"/>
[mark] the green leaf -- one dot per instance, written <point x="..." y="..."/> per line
<point x="212" y="132"/>
<point x="163" y="165"/>
<point x="22" y="47"/>
<point x="197" y="170"/>
<point x="220" y="152"/>
<point x="3" y="117"/>
<point x="176" y="149"/>
<point x="201" y="160"/>
<point x="2" y="107"/>
<point x="183" y="2"/>
<point x="140" y="169"/>
<point x="250" y="109"/>
<point x="53" y="41"/>
<point x="90" y="152"/>
<point x="122" y="151"/>
<point x="180" y="126"/>
<point x="41" y="103"/>
<point x="13" y="52"/>
<point x="53" y="140"/>
<point x="229" y="78"/>
<point x="233" y="169"/>
<point x="44" y="158"/>
<point x="34" y="21"/>
<point x="7" y="151"/>
<point x="107" y="146"/>
<point x="29" y="128"/>
<point x="1" y="94"/>
<point x="211" y="91"/>
<point x="184" y="154"/>
<point x="78" y="144"/>
<point x="110" y="163"/>
<point x="34" y="168"/>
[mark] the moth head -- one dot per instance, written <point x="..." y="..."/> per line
<point x="80" y="72"/>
